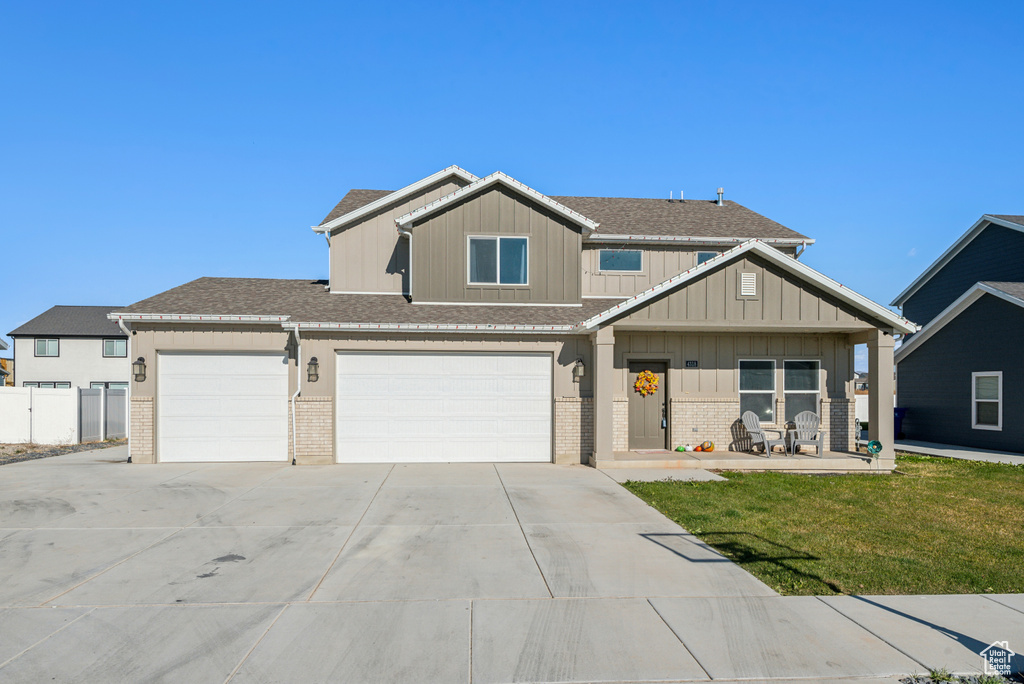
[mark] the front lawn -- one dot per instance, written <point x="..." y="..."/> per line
<point x="945" y="526"/>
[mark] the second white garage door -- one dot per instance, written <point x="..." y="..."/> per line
<point x="443" y="406"/>
<point x="222" y="407"/>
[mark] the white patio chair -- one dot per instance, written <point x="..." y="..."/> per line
<point x="757" y="434"/>
<point x="808" y="432"/>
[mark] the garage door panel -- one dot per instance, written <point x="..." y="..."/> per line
<point x="443" y="406"/>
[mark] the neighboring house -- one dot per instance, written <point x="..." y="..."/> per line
<point x="71" y="346"/>
<point x="476" y="319"/>
<point x="961" y="378"/>
<point x="5" y="367"/>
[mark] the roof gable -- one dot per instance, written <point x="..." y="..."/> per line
<point x="488" y="181"/>
<point x="1004" y="220"/>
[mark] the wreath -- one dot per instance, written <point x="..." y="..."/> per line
<point x="646" y="383"/>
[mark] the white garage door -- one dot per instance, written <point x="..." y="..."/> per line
<point x="222" y="407"/>
<point x="443" y="406"/>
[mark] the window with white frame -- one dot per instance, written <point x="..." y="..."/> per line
<point x="757" y="389"/>
<point x="115" y="347"/>
<point x="621" y="260"/>
<point x="498" y="260"/>
<point x="801" y="382"/>
<point x="47" y="347"/>
<point x="987" y="400"/>
<point x="108" y="385"/>
<point x="47" y="385"/>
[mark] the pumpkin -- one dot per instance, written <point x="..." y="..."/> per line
<point x="698" y="448"/>
<point x="707" y="446"/>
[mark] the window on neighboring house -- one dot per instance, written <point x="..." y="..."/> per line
<point x="47" y="347"/>
<point x="115" y="347"/>
<point x="801" y="386"/>
<point x="498" y="260"/>
<point x="757" y="389"/>
<point x="47" y="385"/>
<point x="623" y="260"/>
<point x="108" y="385"/>
<point x="705" y="256"/>
<point x="987" y="400"/>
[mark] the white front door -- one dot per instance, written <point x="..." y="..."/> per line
<point x="443" y="406"/>
<point x="222" y="407"/>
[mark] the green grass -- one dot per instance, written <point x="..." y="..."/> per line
<point x="945" y="526"/>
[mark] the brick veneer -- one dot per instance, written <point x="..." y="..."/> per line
<point x="837" y="417"/>
<point x="574" y="429"/>
<point x="716" y="419"/>
<point x="620" y="424"/>
<point x="314" y="431"/>
<point x="142" y="433"/>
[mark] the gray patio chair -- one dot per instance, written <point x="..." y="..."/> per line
<point x="758" y="434"/>
<point x="808" y="432"/>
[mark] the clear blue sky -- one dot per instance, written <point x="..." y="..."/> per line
<point x="145" y="145"/>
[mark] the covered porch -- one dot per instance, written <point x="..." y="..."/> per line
<point x="830" y="461"/>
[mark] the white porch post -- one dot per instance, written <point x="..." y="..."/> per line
<point x="604" y="381"/>
<point x="880" y="395"/>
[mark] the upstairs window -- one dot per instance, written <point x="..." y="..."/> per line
<point x="987" y="400"/>
<point x="47" y="347"/>
<point x="115" y="347"/>
<point x="621" y="260"/>
<point x="757" y="389"/>
<point x="498" y="260"/>
<point x="705" y="256"/>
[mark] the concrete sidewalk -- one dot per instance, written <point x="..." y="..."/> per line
<point x="963" y="453"/>
<point x="417" y="573"/>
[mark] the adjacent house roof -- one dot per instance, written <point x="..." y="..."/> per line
<point x="3" y="345"/>
<point x="1010" y="221"/>
<point x="1008" y="292"/>
<point x="71" y="321"/>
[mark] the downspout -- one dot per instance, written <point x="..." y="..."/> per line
<point x="800" y="250"/>
<point x="128" y="392"/>
<point x="298" y="383"/>
<point x="327" y="236"/>
<point x="407" y="234"/>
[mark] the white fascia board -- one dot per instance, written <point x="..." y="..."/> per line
<point x="431" y="327"/>
<point x="488" y="181"/>
<point x="604" y="237"/>
<point x="962" y="303"/>
<point x="784" y="261"/>
<point x="953" y="250"/>
<point x="198" y="318"/>
<point x="396" y="195"/>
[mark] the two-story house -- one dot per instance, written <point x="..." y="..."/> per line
<point x="476" y="319"/>
<point x="961" y="378"/>
<point x="71" y="346"/>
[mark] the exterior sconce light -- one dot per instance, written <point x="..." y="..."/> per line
<point x="139" y="369"/>
<point x="578" y="371"/>
<point x="313" y="370"/>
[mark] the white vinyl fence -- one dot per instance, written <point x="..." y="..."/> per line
<point x="61" y="416"/>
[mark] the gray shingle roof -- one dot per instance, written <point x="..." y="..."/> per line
<point x="640" y="216"/>
<point x="308" y="301"/>
<point x="1012" y="218"/>
<point x="71" y="321"/>
<point x="1011" y="288"/>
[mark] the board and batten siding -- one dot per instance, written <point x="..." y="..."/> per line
<point x="439" y="268"/>
<point x="718" y="355"/>
<point x="370" y="256"/>
<point x="781" y="300"/>
<point x="934" y="382"/>
<point x="997" y="253"/>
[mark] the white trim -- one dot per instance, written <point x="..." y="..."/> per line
<point x="699" y="241"/>
<point x="775" y="388"/>
<point x="497" y="260"/>
<point x="394" y="197"/>
<point x="494" y="304"/>
<point x="784" y="261"/>
<point x="954" y="249"/>
<point x="951" y="312"/>
<point x="483" y="183"/>
<point x="432" y="327"/>
<point x="619" y="272"/>
<point x="211" y="318"/>
<point x="974" y="400"/>
<point x="390" y="294"/>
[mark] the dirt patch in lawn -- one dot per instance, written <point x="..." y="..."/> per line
<point x="15" y="453"/>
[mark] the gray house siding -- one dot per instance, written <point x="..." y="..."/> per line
<point x="934" y="381"/>
<point x="997" y="253"/>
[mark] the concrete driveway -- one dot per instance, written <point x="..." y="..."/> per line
<point x="414" y="573"/>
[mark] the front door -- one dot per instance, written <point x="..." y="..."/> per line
<point x="647" y="416"/>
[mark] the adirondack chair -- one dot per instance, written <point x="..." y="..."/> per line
<point x="757" y="434"/>
<point x="808" y="432"/>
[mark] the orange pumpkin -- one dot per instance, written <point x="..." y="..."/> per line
<point x="697" y="448"/>
<point x="707" y="446"/>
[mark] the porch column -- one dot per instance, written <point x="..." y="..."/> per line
<point x="604" y="382"/>
<point x="880" y="395"/>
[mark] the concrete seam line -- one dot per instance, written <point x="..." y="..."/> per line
<point x="999" y="603"/>
<point x="877" y="636"/>
<point x="352" y="532"/>
<point x="533" y="555"/>
<point x="258" y="642"/>
<point x="472" y="607"/>
<point x="45" y="638"/>
<point x="679" y="638"/>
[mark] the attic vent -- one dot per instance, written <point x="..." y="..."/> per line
<point x="748" y="284"/>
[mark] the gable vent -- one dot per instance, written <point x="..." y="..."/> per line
<point x="748" y="284"/>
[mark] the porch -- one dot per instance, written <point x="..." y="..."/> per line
<point x="829" y="462"/>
